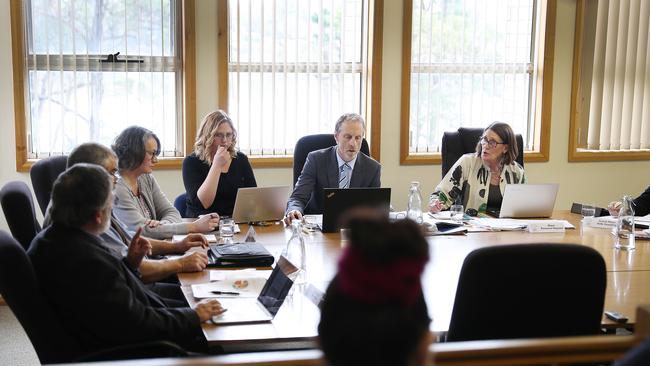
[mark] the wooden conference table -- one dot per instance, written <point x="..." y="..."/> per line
<point x="628" y="277"/>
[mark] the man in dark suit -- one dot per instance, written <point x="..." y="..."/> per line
<point x="98" y="296"/>
<point x="339" y="166"/>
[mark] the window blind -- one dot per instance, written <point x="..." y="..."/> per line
<point x="294" y="66"/>
<point x="472" y="63"/>
<point x="619" y="103"/>
<point x="79" y="90"/>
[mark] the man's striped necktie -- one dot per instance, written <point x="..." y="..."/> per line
<point x="344" y="176"/>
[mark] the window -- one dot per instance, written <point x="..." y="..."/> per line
<point x="469" y="63"/>
<point x="89" y="69"/>
<point x="610" y="117"/>
<point x="290" y="68"/>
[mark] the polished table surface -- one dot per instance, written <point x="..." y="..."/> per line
<point x="628" y="277"/>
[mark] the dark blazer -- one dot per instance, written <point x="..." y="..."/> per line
<point x="100" y="299"/>
<point x="321" y="171"/>
<point x="642" y="203"/>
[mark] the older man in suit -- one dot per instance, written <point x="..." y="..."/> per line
<point x="98" y="296"/>
<point x="339" y="166"/>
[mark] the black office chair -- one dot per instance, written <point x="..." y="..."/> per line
<point x="18" y="207"/>
<point x="457" y="143"/>
<point x="19" y="288"/>
<point x="181" y="204"/>
<point x="529" y="291"/>
<point x="309" y="143"/>
<point x="43" y="175"/>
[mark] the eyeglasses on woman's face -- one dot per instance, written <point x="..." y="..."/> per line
<point x="224" y="136"/>
<point x="152" y="154"/>
<point x="490" y="143"/>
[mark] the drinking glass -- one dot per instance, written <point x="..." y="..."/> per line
<point x="311" y="222"/>
<point x="226" y="229"/>
<point x="457" y="213"/>
<point x="588" y="211"/>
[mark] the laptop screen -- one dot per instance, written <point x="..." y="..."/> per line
<point x="337" y="201"/>
<point x="277" y="286"/>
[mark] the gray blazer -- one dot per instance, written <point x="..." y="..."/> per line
<point x="127" y="209"/>
<point x="321" y="171"/>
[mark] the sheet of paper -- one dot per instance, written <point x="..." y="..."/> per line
<point x="498" y="224"/>
<point x="567" y="224"/>
<point x="246" y="283"/>
<point x="221" y="275"/>
<point x="510" y="224"/>
<point x="211" y="238"/>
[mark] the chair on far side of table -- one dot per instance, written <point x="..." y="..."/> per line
<point x="458" y="143"/>
<point x="181" y="204"/>
<point x="309" y="143"/>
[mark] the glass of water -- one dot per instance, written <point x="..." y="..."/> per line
<point x="588" y="211"/>
<point x="226" y="229"/>
<point x="457" y="213"/>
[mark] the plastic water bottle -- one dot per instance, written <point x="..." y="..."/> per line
<point x="624" y="230"/>
<point x="295" y="253"/>
<point x="414" y="209"/>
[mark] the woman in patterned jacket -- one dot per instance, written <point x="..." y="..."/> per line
<point x="477" y="180"/>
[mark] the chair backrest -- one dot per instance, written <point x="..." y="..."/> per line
<point x="457" y="143"/>
<point x="43" y="175"/>
<point x="20" y="290"/>
<point x="309" y="143"/>
<point x="18" y="207"/>
<point x="529" y="291"/>
<point x="181" y="203"/>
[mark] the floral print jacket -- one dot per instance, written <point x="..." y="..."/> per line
<point x="469" y="179"/>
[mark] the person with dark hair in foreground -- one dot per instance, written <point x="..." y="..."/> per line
<point x="97" y="296"/>
<point x="374" y="312"/>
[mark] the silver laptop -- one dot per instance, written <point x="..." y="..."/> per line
<point x="260" y="204"/>
<point x="267" y="304"/>
<point x="528" y="200"/>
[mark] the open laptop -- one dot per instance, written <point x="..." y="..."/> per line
<point x="338" y="200"/>
<point x="267" y="304"/>
<point x="527" y="200"/>
<point x="260" y="204"/>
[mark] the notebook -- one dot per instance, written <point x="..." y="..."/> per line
<point x="257" y="204"/>
<point x="528" y="200"/>
<point x="267" y="304"/>
<point x="337" y="201"/>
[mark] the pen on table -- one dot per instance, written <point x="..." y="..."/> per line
<point x="225" y="292"/>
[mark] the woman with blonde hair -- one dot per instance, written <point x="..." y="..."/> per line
<point x="214" y="172"/>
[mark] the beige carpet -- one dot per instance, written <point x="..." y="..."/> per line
<point x="15" y="348"/>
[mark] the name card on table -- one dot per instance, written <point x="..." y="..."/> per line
<point x="546" y="226"/>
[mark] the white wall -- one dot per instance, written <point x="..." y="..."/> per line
<point x="594" y="182"/>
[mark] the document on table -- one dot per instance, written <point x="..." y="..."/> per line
<point x="509" y="224"/>
<point x="211" y="238"/>
<point x="233" y="284"/>
<point x="606" y="222"/>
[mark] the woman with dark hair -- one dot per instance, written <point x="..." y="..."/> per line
<point x="214" y="172"/>
<point x="374" y="312"/>
<point x="477" y="180"/>
<point x="139" y="201"/>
